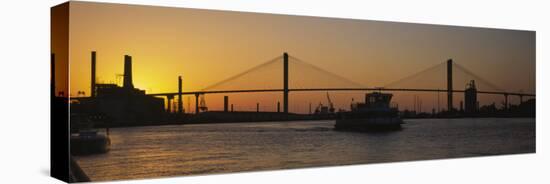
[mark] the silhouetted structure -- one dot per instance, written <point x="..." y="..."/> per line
<point x="121" y="100"/>
<point x="470" y="98"/>
<point x="225" y="103"/>
<point x="128" y="84"/>
<point x="197" y="103"/>
<point x="120" y="106"/>
<point x="93" y="88"/>
<point x="285" y="83"/>
<point x="59" y="124"/>
<point x="375" y="113"/>
<point x="127" y="105"/>
<point x="180" y="99"/>
<point x="506" y="101"/>
<point x="285" y="58"/>
<point x="450" y="85"/>
<point x="169" y="99"/>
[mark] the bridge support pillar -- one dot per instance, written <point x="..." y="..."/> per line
<point x="225" y="103"/>
<point x="285" y="82"/>
<point x="278" y="106"/>
<point x="180" y="99"/>
<point x="169" y="99"/>
<point x="450" y="85"/>
<point x="505" y="101"/>
<point x="197" y="103"/>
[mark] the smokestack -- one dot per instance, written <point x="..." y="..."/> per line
<point x="128" y="72"/>
<point x="92" y="91"/>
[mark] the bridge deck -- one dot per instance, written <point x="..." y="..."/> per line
<point x="327" y="89"/>
<point x="337" y="89"/>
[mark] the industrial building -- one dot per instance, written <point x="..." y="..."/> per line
<point x="470" y="98"/>
<point x="120" y="105"/>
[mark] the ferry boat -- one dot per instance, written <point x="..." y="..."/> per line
<point x="375" y="114"/>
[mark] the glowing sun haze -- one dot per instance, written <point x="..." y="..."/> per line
<point x="206" y="46"/>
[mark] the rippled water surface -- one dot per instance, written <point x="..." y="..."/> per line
<point x="144" y="152"/>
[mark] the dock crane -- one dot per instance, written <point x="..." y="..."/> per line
<point x="321" y="109"/>
<point x="330" y="104"/>
<point x="202" y="106"/>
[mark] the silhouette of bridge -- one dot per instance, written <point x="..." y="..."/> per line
<point x="285" y="89"/>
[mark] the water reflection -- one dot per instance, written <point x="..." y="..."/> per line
<point x="144" y="152"/>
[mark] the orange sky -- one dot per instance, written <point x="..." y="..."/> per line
<point x="207" y="46"/>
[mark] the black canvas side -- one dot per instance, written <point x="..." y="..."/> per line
<point x="59" y="109"/>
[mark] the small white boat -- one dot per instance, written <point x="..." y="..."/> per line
<point x="89" y="142"/>
<point x="85" y="139"/>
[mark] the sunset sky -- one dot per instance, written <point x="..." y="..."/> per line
<point x="206" y="46"/>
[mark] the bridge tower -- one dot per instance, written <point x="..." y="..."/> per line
<point x="449" y="85"/>
<point x="285" y="82"/>
<point x="180" y="100"/>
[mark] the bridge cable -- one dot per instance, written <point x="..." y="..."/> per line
<point x="299" y="61"/>
<point x="415" y="75"/>
<point x="243" y="73"/>
<point x="478" y="77"/>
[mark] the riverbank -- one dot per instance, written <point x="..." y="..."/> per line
<point x="243" y="117"/>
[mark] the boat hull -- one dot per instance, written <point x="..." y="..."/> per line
<point x="86" y="145"/>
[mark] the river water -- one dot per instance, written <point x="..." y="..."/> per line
<point x="156" y="151"/>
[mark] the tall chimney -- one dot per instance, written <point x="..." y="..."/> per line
<point x="128" y="72"/>
<point x="92" y="90"/>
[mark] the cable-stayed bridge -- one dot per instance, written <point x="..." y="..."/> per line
<point x="446" y="80"/>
